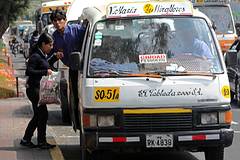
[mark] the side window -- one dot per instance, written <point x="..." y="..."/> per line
<point x="86" y="34"/>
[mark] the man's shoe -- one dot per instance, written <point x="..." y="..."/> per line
<point x="27" y="144"/>
<point x="46" y="145"/>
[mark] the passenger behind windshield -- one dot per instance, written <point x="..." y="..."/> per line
<point x="189" y="43"/>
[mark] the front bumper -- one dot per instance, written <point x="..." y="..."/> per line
<point x="187" y="140"/>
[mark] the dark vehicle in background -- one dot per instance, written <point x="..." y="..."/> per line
<point x="232" y="60"/>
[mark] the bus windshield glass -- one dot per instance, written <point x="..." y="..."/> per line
<point x="220" y="16"/>
<point x="149" y="45"/>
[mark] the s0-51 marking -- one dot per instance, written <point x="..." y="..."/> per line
<point x="106" y="94"/>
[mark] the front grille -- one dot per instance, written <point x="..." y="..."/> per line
<point x="157" y="122"/>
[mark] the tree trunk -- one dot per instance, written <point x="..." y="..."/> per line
<point x="3" y="25"/>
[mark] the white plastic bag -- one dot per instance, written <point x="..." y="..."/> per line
<point x="49" y="89"/>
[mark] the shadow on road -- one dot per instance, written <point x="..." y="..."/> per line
<point x="55" y="118"/>
<point x="72" y="152"/>
<point x="24" y="111"/>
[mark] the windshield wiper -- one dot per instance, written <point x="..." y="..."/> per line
<point x="189" y="73"/>
<point x="109" y="73"/>
<point x="152" y="74"/>
<point x="114" y="73"/>
<point x="125" y="74"/>
<point x="181" y="73"/>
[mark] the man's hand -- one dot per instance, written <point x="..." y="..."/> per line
<point x="59" y="55"/>
<point x="49" y="72"/>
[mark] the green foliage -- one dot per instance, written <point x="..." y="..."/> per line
<point x="13" y="8"/>
<point x="1" y="46"/>
<point x="29" y="14"/>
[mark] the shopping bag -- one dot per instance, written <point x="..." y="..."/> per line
<point x="50" y="89"/>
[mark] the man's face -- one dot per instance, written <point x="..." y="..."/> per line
<point x="59" y="24"/>
<point x="187" y="35"/>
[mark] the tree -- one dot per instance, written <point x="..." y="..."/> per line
<point x="10" y="10"/>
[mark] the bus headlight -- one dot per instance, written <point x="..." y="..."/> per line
<point x="105" y="120"/>
<point x="209" y="118"/>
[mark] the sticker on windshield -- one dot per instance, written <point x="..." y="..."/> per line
<point x="100" y="26"/>
<point x="174" y="67"/>
<point x="226" y="92"/>
<point x="97" y="42"/>
<point x="98" y="35"/>
<point x="153" y="58"/>
<point x="119" y="27"/>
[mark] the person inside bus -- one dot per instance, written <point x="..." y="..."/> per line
<point x="37" y="67"/>
<point x="189" y="42"/>
<point x="67" y="39"/>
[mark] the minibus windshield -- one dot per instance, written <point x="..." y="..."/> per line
<point x="122" y="47"/>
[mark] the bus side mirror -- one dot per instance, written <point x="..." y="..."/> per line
<point x="231" y="58"/>
<point x="214" y="26"/>
<point x="76" y="61"/>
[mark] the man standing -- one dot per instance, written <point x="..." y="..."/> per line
<point x="67" y="39"/>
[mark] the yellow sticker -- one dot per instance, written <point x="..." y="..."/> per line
<point x="226" y="91"/>
<point x="200" y="1"/>
<point x="148" y="8"/>
<point x="106" y="94"/>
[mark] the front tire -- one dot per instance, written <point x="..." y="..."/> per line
<point x="214" y="153"/>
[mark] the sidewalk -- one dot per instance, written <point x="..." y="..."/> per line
<point x="15" y="114"/>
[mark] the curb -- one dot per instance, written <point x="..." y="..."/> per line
<point x="55" y="153"/>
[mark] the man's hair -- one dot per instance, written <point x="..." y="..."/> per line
<point x="58" y="14"/>
<point x="35" y="33"/>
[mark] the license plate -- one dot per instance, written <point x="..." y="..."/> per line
<point x="159" y="140"/>
<point x="106" y="94"/>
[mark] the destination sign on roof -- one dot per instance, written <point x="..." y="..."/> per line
<point x="52" y="8"/>
<point x="149" y="8"/>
